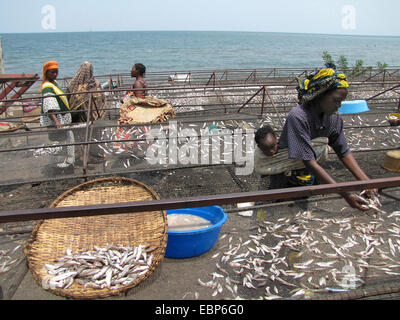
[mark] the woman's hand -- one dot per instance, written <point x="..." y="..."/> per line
<point x="370" y="193"/>
<point x="56" y="122"/>
<point x="355" y="202"/>
<point x="324" y="177"/>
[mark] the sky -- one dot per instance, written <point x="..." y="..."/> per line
<point x="362" y="17"/>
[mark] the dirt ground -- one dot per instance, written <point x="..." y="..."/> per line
<point x="167" y="283"/>
<point x="178" y="279"/>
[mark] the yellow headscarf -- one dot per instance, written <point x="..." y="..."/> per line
<point x="319" y="82"/>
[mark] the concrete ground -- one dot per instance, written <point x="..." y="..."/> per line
<point x="308" y="245"/>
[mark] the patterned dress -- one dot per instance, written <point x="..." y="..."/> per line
<point x="58" y="105"/>
<point x="303" y="125"/>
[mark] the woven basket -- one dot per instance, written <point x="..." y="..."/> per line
<point x="50" y="238"/>
<point x="392" y="161"/>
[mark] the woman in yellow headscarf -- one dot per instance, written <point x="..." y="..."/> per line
<point x="55" y="113"/>
<point x="320" y="96"/>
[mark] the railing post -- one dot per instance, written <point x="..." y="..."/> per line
<point x="214" y="80"/>
<point x="245" y="104"/>
<point x="211" y="78"/>
<point x="86" y="147"/>
<point x="273" y="105"/>
<point x="263" y="101"/>
<point x="1" y="59"/>
<point x="384" y="78"/>
<point x="398" y="106"/>
<point x="110" y="83"/>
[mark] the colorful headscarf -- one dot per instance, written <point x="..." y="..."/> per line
<point x="49" y="65"/>
<point x="84" y="75"/>
<point x="317" y="83"/>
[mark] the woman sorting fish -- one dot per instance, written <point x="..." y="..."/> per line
<point x="320" y="96"/>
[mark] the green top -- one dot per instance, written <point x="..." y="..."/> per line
<point x="51" y="89"/>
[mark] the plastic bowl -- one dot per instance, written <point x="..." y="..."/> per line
<point x="354" y="106"/>
<point x="193" y="243"/>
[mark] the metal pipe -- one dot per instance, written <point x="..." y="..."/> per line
<point x="263" y="101"/>
<point x="191" y="202"/>
<point x="250" y="99"/>
<point x="144" y="139"/>
<point x="1" y="58"/>
<point x="279" y="204"/>
<point x="377" y="95"/>
<point x="175" y="89"/>
<point x="125" y="172"/>
<point x="104" y="174"/>
<point x="370" y="291"/>
<point x="86" y="146"/>
<point x="276" y="111"/>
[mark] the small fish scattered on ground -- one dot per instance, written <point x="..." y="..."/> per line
<point x="309" y="254"/>
<point x="6" y="259"/>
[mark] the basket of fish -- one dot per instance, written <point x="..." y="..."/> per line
<point x="99" y="256"/>
<point x="394" y="119"/>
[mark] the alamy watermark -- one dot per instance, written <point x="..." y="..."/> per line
<point x="349" y="278"/>
<point x="49" y="18"/>
<point x="349" y="21"/>
<point x="188" y="146"/>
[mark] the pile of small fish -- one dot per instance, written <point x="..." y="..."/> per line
<point x="365" y="133"/>
<point x="112" y="267"/>
<point x="193" y="142"/>
<point x="370" y="201"/>
<point x="307" y="253"/>
<point x="6" y="260"/>
<point x="186" y="100"/>
<point x="46" y="151"/>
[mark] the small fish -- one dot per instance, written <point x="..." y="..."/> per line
<point x="299" y="292"/>
<point x="303" y="265"/>
<point x="100" y="268"/>
<point x="392" y="248"/>
<point x="272" y="297"/>
<point x="325" y="264"/>
<point x="217" y="275"/>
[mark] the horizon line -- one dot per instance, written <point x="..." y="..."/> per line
<point x="244" y="31"/>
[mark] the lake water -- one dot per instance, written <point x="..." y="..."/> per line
<point x="116" y="52"/>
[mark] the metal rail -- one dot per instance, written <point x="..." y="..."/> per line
<point x="191" y="202"/>
<point x="21" y="81"/>
<point x="87" y="176"/>
<point x="243" y="87"/>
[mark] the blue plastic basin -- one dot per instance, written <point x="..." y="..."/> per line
<point x="354" y="106"/>
<point x="193" y="243"/>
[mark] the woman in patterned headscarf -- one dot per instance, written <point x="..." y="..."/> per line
<point x="320" y="96"/>
<point x="84" y="81"/>
<point x="55" y="113"/>
<point x="318" y="83"/>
